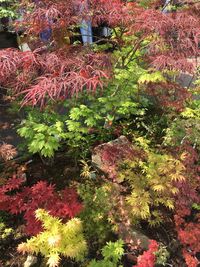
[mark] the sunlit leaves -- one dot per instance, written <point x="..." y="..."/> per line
<point x="57" y="239"/>
<point x="42" y="138"/>
<point x="42" y="77"/>
<point x="151" y="77"/>
<point x="112" y="253"/>
<point x="152" y="182"/>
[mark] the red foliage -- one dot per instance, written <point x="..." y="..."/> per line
<point x="190" y="261"/>
<point x="67" y="13"/>
<point x="113" y="153"/>
<point x="188" y="229"/>
<point x="17" y="199"/>
<point x="190" y="235"/>
<point x="49" y="73"/>
<point x="43" y="76"/>
<point x="148" y="258"/>
<point x="187" y="221"/>
<point x="169" y="95"/>
<point x="176" y="38"/>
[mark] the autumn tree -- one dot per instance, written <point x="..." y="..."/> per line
<point x="60" y="69"/>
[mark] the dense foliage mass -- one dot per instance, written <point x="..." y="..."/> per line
<point x="119" y="102"/>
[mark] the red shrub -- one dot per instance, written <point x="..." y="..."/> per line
<point x="17" y="199"/>
<point x="111" y="154"/>
<point x="169" y="95"/>
<point x="148" y="258"/>
<point x="187" y="221"/>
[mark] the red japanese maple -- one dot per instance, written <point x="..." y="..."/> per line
<point x="187" y="221"/>
<point x="59" y="71"/>
<point x="148" y="258"/>
<point x="16" y="198"/>
<point x="169" y="95"/>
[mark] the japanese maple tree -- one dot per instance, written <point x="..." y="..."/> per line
<point x="16" y="199"/>
<point x="58" y="70"/>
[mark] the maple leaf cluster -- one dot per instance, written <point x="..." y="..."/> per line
<point x="56" y="76"/>
<point x="59" y="72"/>
<point x="169" y="95"/>
<point x="16" y="199"/>
<point x="148" y="258"/>
<point x="174" y="37"/>
<point x="7" y="152"/>
<point x="187" y="220"/>
<point x="114" y="153"/>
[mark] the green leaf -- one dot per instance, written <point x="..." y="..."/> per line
<point x="40" y="127"/>
<point x="151" y="77"/>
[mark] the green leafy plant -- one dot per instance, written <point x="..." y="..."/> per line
<point x="151" y="77"/>
<point x="5" y="231"/>
<point x="96" y="210"/>
<point x="43" y="133"/>
<point x="97" y="118"/>
<point x="112" y="254"/>
<point x="162" y="255"/>
<point x="185" y="127"/>
<point x="196" y="206"/>
<point x="8" y="8"/>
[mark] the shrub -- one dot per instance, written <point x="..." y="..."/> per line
<point x="18" y="199"/>
<point x="56" y="239"/>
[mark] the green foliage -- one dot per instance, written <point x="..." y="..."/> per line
<point x="87" y="171"/>
<point x="5" y="231"/>
<point x="95" y="117"/>
<point x="185" y="127"/>
<point x="196" y="206"/>
<point x="145" y="3"/>
<point x="151" y="77"/>
<point x="100" y="115"/>
<point x="162" y="255"/>
<point x="8" y="8"/>
<point x="99" y="111"/>
<point x="171" y="8"/>
<point x="57" y="239"/>
<point x="81" y="119"/>
<point x="96" y="209"/>
<point x="43" y="132"/>
<point x="92" y="118"/>
<point x="112" y="253"/>
<point x="151" y="179"/>
<point x="85" y="122"/>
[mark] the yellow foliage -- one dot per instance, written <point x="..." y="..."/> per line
<point x="152" y="181"/>
<point x="56" y="239"/>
